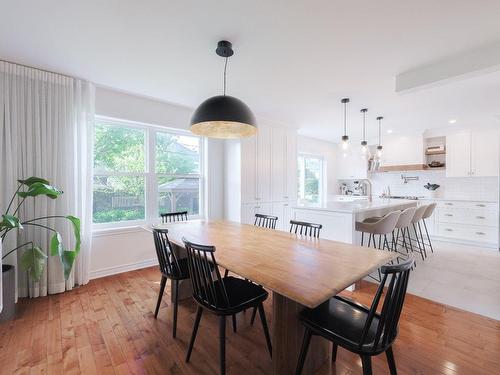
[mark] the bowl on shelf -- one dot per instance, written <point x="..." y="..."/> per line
<point x="436" y="164"/>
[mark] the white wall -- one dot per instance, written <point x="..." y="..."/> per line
<point x="328" y="151"/>
<point x="117" y="251"/>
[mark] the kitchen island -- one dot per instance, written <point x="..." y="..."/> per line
<point x="339" y="217"/>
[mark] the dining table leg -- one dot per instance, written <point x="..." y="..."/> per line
<point x="287" y="339"/>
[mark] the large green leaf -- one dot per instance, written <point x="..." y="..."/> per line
<point x="67" y="259"/>
<point x="76" y="230"/>
<point x="39" y="188"/>
<point x="32" y="180"/>
<point x="56" y="245"/>
<point x="9" y="221"/>
<point x="33" y="260"/>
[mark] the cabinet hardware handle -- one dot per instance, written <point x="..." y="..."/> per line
<point x="480" y="217"/>
<point x="286" y="197"/>
<point x="448" y="215"/>
<point x="448" y="230"/>
<point x="480" y="205"/>
<point x="481" y="233"/>
<point x="449" y="204"/>
<point x="257" y="206"/>
<point x="285" y="205"/>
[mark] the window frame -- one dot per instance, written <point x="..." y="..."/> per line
<point x="322" y="175"/>
<point x="151" y="209"/>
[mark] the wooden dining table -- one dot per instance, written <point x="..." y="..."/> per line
<point x="300" y="272"/>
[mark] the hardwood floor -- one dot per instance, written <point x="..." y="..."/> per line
<point x="107" y="327"/>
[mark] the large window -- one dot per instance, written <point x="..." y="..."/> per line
<point x="142" y="171"/>
<point x="310" y="174"/>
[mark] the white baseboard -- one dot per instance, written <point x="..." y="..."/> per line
<point x="122" y="268"/>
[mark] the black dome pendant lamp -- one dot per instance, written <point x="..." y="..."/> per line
<point x="223" y="116"/>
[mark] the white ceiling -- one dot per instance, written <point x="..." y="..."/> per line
<point x="293" y="62"/>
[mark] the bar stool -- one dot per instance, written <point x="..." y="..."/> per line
<point x="402" y="225"/>
<point x="427" y="214"/>
<point x="419" y="213"/>
<point x="381" y="226"/>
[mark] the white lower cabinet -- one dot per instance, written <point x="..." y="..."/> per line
<point x="337" y="226"/>
<point x="280" y="209"/>
<point x="466" y="221"/>
<point x="284" y="213"/>
<point x="248" y="211"/>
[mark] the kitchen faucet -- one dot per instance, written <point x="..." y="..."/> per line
<point x="368" y="182"/>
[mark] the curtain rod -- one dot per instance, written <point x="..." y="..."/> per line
<point x="43" y="70"/>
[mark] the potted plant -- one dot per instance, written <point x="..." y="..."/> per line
<point x="33" y="260"/>
<point x="432" y="189"/>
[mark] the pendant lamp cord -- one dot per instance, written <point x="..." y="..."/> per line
<point x="345" y="118"/>
<point x="225" y="67"/>
<point x="379" y="130"/>
<point x="364" y="126"/>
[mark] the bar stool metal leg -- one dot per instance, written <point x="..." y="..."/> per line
<point x="428" y="238"/>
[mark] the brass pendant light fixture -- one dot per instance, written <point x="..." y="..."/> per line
<point x="345" y="137"/>
<point x="379" y="147"/>
<point x="223" y="116"/>
<point x="364" y="144"/>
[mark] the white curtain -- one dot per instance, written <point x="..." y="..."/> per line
<point x="46" y="130"/>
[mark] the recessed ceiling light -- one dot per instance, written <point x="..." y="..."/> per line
<point x="389" y="131"/>
<point x="452" y="121"/>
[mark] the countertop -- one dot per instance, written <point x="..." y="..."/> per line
<point x="456" y="199"/>
<point x="357" y="206"/>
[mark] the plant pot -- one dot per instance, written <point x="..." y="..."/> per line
<point x="8" y="293"/>
<point x="433" y="194"/>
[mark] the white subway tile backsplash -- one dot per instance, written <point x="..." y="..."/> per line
<point x="468" y="188"/>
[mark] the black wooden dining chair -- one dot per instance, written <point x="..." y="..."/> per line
<point x="265" y="221"/>
<point x="172" y="217"/>
<point x="170" y="268"/>
<point x="358" y="328"/>
<point x="305" y="228"/>
<point x="220" y="296"/>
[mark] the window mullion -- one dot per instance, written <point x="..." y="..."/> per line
<point x="151" y="184"/>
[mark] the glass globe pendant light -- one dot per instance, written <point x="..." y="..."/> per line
<point x="364" y="144"/>
<point x="345" y="137"/>
<point x="379" y="147"/>
<point x="223" y="116"/>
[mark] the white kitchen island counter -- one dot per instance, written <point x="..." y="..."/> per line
<point x="339" y="218"/>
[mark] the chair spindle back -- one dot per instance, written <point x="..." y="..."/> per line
<point x="393" y="303"/>
<point x="167" y="260"/>
<point x="305" y="228"/>
<point x="172" y="217"/>
<point x="265" y="221"/>
<point x="208" y="286"/>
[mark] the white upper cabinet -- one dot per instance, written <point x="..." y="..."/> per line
<point x="458" y="154"/>
<point x="291" y="166"/>
<point x="248" y="169"/>
<point x="402" y="150"/>
<point x="278" y="164"/>
<point x="352" y="165"/>
<point x="259" y="171"/>
<point x="263" y="187"/>
<point x="284" y="165"/>
<point x="484" y="158"/>
<point x="472" y="154"/>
